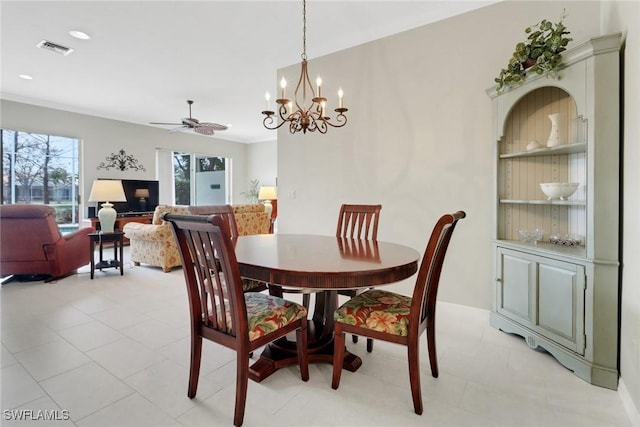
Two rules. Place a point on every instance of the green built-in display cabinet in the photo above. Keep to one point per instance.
(561, 292)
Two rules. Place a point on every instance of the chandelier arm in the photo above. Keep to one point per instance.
(317, 107)
(321, 126)
(313, 124)
(303, 82)
(282, 111)
(341, 120)
(296, 126)
(268, 120)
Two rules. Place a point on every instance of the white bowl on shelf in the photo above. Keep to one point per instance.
(559, 190)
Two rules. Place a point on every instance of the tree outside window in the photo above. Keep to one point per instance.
(41, 169)
(187, 168)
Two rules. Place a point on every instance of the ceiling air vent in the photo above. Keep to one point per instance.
(62, 50)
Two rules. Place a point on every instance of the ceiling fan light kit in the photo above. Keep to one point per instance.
(202, 128)
(304, 119)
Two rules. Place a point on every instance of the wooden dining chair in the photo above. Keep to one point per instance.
(219, 309)
(400, 319)
(358, 221)
(226, 212)
(223, 211)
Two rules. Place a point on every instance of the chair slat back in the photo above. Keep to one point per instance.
(426, 288)
(224, 211)
(358, 221)
(212, 275)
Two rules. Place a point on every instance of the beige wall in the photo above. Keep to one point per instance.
(262, 161)
(420, 141)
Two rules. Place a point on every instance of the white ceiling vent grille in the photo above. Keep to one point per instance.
(62, 50)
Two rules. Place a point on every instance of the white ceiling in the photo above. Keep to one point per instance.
(146, 58)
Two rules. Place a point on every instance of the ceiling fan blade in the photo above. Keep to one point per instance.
(215, 126)
(204, 130)
(162, 123)
(178, 129)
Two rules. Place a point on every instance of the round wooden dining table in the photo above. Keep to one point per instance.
(320, 264)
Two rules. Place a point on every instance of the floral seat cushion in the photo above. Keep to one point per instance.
(267, 313)
(251, 285)
(378, 310)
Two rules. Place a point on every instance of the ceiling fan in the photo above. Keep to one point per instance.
(203, 128)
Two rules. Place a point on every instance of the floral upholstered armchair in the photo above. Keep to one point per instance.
(154, 243)
(252, 219)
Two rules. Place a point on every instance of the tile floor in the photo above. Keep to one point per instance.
(113, 351)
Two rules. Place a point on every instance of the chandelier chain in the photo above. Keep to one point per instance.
(304, 29)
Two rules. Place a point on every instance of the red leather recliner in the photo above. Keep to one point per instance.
(31, 243)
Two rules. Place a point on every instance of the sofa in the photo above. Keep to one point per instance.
(31, 243)
(154, 243)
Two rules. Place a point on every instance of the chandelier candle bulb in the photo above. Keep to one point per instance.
(319, 82)
(340, 95)
(267, 97)
(283, 85)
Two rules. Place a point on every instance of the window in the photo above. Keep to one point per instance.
(200, 179)
(41, 169)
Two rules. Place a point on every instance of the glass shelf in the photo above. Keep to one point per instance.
(544, 202)
(579, 147)
(544, 247)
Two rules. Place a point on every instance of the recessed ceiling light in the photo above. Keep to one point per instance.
(25, 76)
(79, 34)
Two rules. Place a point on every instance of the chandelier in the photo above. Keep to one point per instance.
(312, 118)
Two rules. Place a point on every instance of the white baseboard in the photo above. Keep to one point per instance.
(629, 405)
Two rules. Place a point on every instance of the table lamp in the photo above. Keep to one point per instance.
(141, 194)
(106, 191)
(267, 194)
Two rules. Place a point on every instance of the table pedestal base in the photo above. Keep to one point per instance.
(283, 352)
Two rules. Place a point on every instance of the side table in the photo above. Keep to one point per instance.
(121, 221)
(117, 238)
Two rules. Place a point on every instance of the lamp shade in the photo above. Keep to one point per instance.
(107, 190)
(267, 193)
(141, 192)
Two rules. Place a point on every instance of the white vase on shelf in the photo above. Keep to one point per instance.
(554, 135)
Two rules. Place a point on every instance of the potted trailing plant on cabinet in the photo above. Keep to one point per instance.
(540, 53)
